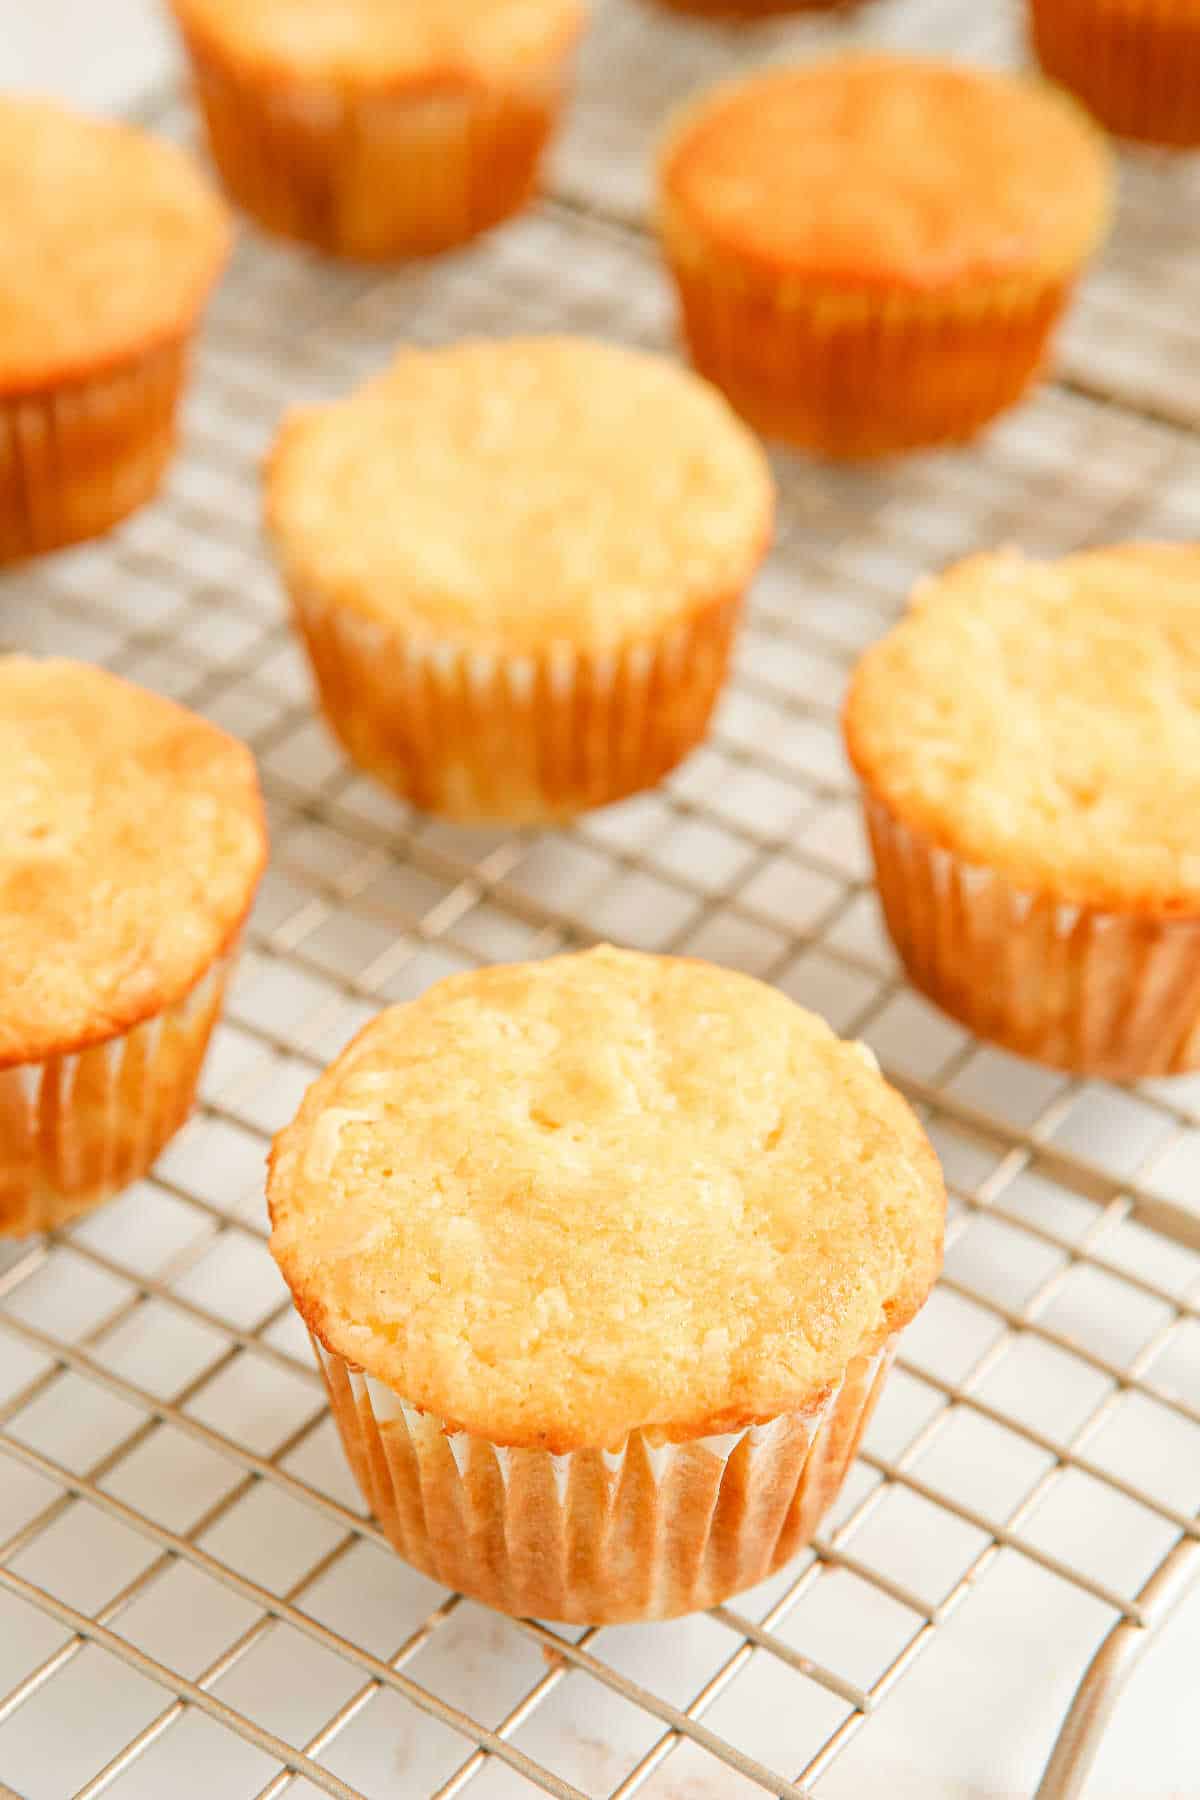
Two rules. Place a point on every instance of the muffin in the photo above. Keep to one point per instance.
(871, 251)
(1134, 63)
(131, 843)
(517, 567)
(380, 129)
(1028, 741)
(604, 1259)
(112, 241)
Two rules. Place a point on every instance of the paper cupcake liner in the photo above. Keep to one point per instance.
(858, 376)
(376, 176)
(474, 735)
(75, 459)
(1100, 993)
(597, 1536)
(75, 1129)
(1135, 64)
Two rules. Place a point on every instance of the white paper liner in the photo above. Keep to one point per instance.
(76, 458)
(646, 1531)
(846, 374)
(377, 174)
(1098, 992)
(76, 1128)
(473, 734)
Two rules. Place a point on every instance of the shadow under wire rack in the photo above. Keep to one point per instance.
(192, 1600)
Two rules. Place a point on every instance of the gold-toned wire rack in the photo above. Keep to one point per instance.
(192, 1601)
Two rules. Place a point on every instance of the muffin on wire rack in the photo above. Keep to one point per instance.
(131, 845)
(1135, 64)
(871, 252)
(380, 129)
(604, 1260)
(517, 567)
(112, 242)
(1028, 742)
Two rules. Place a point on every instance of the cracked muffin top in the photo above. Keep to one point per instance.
(1042, 720)
(552, 1203)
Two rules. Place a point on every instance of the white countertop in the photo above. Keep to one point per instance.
(98, 53)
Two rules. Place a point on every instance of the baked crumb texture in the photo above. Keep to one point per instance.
(131, 843)
(609, 1249)
(518, 568)
(1135, 64)
(112, 242)
(871, 251)
(378, 131)
(1028, 742)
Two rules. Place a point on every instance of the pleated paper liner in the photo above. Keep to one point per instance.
(377, 176)
(862, 376)
(647, 1531)
(1135, 64)
(75, 1129)
(1112, 994)
(77, 458)
(478, 735)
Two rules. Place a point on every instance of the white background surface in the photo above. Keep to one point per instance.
(102, 53)
(97, 52)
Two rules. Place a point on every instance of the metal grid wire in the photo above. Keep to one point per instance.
(191, 1598)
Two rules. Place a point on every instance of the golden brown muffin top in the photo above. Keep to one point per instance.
(112, 240)
(1042, 719)
(887, 171)
(516, 494)
(556, 1202)
(383, 43)
(131, 843)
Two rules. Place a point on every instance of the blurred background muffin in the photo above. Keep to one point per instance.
(112, 242)
(871, 251)
(1135, 64)
(379, 129)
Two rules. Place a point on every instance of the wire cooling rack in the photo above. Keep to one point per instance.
(191, 1600)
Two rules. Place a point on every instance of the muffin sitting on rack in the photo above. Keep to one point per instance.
(1134, 63)
(871, 251)
(380, 128)
(111, 243)
(1028, 741)
(518, 567)
(131, 844)
(604, 1259)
